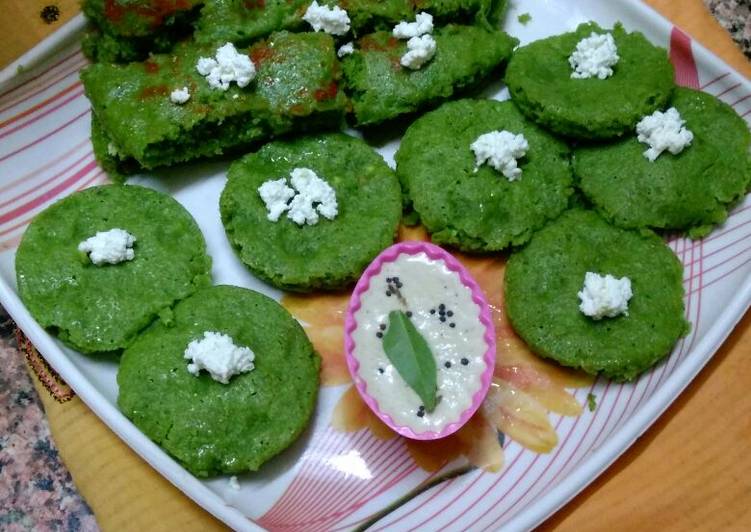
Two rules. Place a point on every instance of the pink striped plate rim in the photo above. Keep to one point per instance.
(334, 480)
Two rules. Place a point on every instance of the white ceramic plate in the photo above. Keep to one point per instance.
(334, 480)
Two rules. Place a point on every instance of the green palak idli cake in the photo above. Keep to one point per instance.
(164, 110)
(128, 30)
(242, 21)
(83, 278)
(171, 381)
(689, 190)
(599, 98)
(475, 207)
(596, 297)
(311, 212)
(382, 88)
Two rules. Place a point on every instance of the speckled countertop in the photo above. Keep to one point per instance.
(735, 16)
(36, 490)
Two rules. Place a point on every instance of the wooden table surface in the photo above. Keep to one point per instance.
(692, 468)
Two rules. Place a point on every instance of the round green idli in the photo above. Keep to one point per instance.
(481, 210)
(210, 427)
(332, 253)
(539, 80)
(102, 308)
(691, 190)
(543, 281)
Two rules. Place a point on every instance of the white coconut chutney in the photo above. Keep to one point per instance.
(441, 308)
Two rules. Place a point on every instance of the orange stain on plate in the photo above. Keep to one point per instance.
(525, 389)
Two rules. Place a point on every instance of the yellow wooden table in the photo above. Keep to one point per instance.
(691, 470)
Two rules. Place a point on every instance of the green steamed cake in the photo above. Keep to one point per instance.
(102, 308)
(539, 80)
(381, 89)
(544, 278)
(689, 191)
(210, 427)
(296, 87)
(128, 30)
(242, 21)
(332, 253)
(483, 210)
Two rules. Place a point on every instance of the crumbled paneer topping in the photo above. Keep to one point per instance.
(276, 196)
(594, 56)
(180, 96)
(233, 483)
(604, 296)
(218, 354)
(663, 131)
(309, 197)
(501, 150)
(109, 247)
(346, 49)
(420, 50)
(324, 18)
(314, 196)
(229, 65)
(406, 30)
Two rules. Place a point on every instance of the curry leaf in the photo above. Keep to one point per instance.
(411, 356)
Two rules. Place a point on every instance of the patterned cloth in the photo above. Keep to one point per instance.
(36, 490)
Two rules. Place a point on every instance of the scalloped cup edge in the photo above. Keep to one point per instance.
(434, 252)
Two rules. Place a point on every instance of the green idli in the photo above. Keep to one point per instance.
(691, 190)
(482, 210)
(543, 281)
(539, 79)
(102, 308)
(210, 427)
(332, 253)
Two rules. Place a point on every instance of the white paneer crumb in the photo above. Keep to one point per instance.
(276, 195)
(112, 149)
(406, 30)
(501, 150)
(180, 96)
(663, 131)
(314, 196)
(420, 50)
(604, 296)
(310, 197)
(594, 57)
(227, 66)
(234, 484)
(345, 49)
(109, 247)
(219, 356)
(324, 18)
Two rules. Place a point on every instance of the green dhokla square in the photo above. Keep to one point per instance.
(210, 427)
(544, 278)
(482, 210)
(539, 79)
(691, 190)
(242, 21)
(382, 89)
(102, 308)
(332, 253)
(128, 30)
(296, 87)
